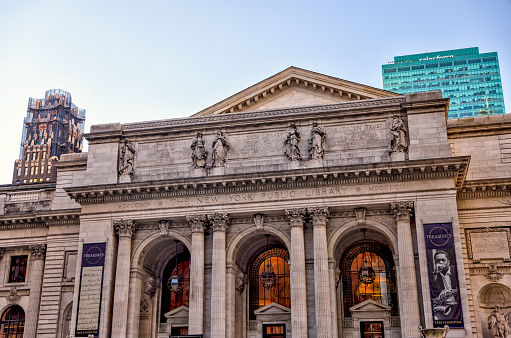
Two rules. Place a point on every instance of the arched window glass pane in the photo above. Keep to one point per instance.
(12, 324)
(177, 266)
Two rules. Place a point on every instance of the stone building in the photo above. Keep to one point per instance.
(303, 206)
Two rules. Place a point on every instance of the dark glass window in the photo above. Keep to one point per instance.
(490, 59)
(382, 288)
(402, 69)
(18, 269)
(274, 259)
(417, 67)
(12, 324)
(445, 64)
(432, 65)
(462, 62)
(389, 70)
(179, 266)
(474, 61)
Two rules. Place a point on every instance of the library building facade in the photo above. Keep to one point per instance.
(302, 206)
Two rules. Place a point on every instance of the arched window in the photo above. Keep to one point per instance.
(272, 290)
(13, 322)
(368, 273)
(177, 266)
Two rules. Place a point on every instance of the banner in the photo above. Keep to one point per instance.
(91, 284)
(443, 275)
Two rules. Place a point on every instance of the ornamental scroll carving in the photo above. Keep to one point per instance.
(398, 132)
(124, 228)
(319, 215)
(37, 250)
(127, 159)
(292, 149)
(493, 274)
(402, 210)
(219, 221)
(13, 297)
(296, 216)
(199, 153)
(316, 142)
(197, 222)
(220, 149)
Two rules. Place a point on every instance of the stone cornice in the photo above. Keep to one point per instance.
(39, 219)
(485, 188)
(479, 126)
(442, 168)
(246, 117)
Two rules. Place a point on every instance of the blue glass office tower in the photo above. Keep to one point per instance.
(471, 80)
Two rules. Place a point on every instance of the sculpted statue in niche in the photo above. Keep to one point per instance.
(398, 133)
(241, 281)
(199, 152)
(220, 149)
(316, 142)
(498, 323)
(127, 159)
(292, 150)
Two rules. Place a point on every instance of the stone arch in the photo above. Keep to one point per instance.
(234, 244)
(152, 239)
(65, 320)
(339, 234)
(491, 295)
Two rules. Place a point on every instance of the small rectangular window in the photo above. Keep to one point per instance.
(490, 59)
(417, 67)
(474, 61)
(26, 171)
(390, 70)
(36, 170)
(432, 65)
(462, 62)
(402, 69)
(18, 269)
(33, 156)
(28, 157)
(32, 171)
(445, 64)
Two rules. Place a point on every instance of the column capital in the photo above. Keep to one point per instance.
(37, 250)
(296, 216)
(197, 222)
(402, 210)
(219, 220)
(125, 228)
(319, 215)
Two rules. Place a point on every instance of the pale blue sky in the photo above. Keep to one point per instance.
(126, 61)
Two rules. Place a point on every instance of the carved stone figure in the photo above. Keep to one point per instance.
(259, 221)
(164, 227)
(126, 159)
(220, 149)
(498, 323)
(316, 142)
(292, 150)
(360, 214)
(150, 286)
(13, 297)
(241, 281)
(199, 152)
(398, 132)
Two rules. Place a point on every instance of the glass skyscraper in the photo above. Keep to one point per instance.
(471, 80)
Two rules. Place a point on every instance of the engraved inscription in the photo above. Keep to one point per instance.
(90, 296)
(163, 153)
(254, 145)
(357, 136)
(490, 245)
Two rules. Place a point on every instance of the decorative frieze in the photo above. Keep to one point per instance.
(124, 228)
(37, 251)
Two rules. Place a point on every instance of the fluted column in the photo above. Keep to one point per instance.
(321, 277)
(124, 230)
(218, 287)
(196, 304)
(298, 280)
(408, 296)
(36, 280)
(333, 297)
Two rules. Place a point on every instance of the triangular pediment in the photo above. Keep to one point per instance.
(272, 308)
(295, 87)
(370, 305)
(181, 311)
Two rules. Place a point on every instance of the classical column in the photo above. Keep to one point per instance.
(135, 295)
(218, 287)
(196, 305)
(298, 279)
(333, 296)
(124, 230)
(321, 277)
(36, 281)
(408, 296)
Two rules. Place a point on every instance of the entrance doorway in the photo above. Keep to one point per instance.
(371, 329)
(274, 331)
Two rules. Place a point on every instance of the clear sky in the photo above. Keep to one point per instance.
(126, 61)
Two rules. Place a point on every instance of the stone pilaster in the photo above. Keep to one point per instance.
(333, 296)
(408, 296)
(298, 280)
(135, 293)
(36, 280)
(321, 276)
(218, 288)
(124, 230)
(196, 308)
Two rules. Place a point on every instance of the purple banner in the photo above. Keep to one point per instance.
(443, 275)
(91, 284)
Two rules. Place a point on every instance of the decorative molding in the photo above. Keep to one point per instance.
(493, 274)
(39, 220)
(319, 215)
(197, 222)
(347, 323)
(259, 221)
(454, 168)
(164, 227)
(219, 221)
(468, 237)
(296, 216)
(485, 189)
(13, 297)
(360, 214)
